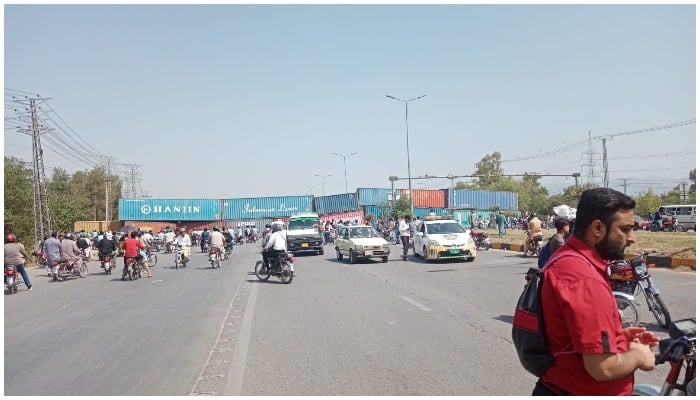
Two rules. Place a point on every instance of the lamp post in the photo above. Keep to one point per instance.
(345, 166)
(323, 182)
(408, 152)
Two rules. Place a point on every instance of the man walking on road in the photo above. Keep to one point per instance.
(405, 234)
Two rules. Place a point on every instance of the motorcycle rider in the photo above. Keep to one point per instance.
(144, 253)
(169, 238)
(206, 236)
(239, 235)
(107, 246)
(131, 250)
(15, 254)
(276, 245)
(69, 251)
(217, 241)
(534, 231)
(183, 239)
(52, 251)
(229, 238)
(84, 245)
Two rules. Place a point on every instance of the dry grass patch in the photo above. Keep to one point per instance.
(671, 244)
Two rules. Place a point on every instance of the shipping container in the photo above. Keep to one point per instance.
(337, 203)
(169, 209)
(373, 196)
(89, 226)
(428, 197)
(351, 216)
(155, 226)
(465, 216)
(421, 212)
(199, 225)
(383, 212)
(266, 207)
(258, 222)
(482, 199)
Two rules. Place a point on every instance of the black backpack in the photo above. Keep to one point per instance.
(528, 324)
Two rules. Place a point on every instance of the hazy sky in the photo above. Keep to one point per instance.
(251, 100)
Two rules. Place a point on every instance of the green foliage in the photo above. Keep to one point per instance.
(489, 170)
(77, 197)
(647, 203)
(691, 176)
(19, 200)
(369, 217)
(402, 207)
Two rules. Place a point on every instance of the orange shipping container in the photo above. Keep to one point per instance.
(154, 226)
(428, 197)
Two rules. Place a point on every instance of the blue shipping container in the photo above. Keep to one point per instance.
(169, 210)
(383, 212)
(373, 196)
(337, 203)
(482, 199)
(266, 207)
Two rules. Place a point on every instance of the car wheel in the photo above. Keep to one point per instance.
(353, 257)
(385, 259)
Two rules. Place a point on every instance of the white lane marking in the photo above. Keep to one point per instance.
(415, 303)
(234, 384)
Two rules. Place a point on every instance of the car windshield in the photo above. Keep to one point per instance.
(363, 232)
(450, 227)
(303, 223)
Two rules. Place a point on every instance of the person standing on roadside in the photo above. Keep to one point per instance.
(596, 356)
(405, 234)
(500, 221)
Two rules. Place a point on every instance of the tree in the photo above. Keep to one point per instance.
(19, 195)
(489, 170)
(691, 176)
(402, 207)
(647, 203)
(62, 202)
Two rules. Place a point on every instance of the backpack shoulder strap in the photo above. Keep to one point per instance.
(559, 256)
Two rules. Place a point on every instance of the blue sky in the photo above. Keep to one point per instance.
(251, 100)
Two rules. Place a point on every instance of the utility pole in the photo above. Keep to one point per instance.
(624, 182)
(684, 196)
(42, 216)
(605, 163)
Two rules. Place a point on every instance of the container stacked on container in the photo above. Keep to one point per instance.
(435, 198)
(466, 199)
(266, 207)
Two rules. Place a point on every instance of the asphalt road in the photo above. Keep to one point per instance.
(400, 328)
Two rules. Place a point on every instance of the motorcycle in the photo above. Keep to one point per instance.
(132, 269)
(239, 240)
(151, 258)
(280, 266)
(156, 245)
(481, 239)
(40, 258)
(12, 279)
(669, 224)
(252, 238)
(215, 258)
(180, 259)
(108, 264)
(66, 269)
(628, 278)
(205, 246)
(535, 245)
(679, 351)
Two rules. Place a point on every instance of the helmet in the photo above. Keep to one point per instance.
(10, 238)
(109, 235)
(69, 236)
(533, 215)
(216, 228)
(276, 228)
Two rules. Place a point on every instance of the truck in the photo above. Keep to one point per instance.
(305, 233)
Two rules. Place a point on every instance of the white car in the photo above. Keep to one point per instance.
(361, 242)
(441, 237)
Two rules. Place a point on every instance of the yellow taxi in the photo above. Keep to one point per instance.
(441, 237)
(361, 241)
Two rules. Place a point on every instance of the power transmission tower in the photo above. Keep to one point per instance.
(605, 164)
(131, 179)
(42, 216)
(590, 164)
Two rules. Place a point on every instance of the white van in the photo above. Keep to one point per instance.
(684, 213)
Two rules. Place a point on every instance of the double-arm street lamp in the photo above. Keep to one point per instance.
(345, 166)
(323, 182)
(408, 152)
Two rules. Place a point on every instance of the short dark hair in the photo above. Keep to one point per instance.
(599, 204)
(560, 223)
(133, 234)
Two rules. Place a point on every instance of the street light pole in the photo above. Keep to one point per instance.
(345, 166)
(408, 151)
(323, 182)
